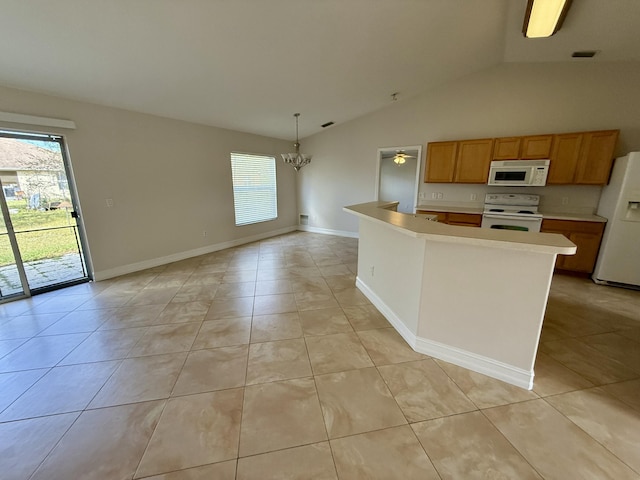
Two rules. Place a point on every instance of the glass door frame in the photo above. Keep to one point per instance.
(77, 214)
(17, 257)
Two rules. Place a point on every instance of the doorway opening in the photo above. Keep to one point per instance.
(42, 245)
(398, 177)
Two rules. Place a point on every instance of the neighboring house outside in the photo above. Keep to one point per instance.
(32, 173)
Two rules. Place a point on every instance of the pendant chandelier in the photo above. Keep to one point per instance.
(297, 159)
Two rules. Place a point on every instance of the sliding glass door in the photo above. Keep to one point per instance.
(41, 237)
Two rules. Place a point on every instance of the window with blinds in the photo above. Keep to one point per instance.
(254, 188)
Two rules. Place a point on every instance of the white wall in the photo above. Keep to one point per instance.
(169, 180)
(510, 99)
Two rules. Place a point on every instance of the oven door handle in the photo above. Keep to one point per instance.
(505, 217)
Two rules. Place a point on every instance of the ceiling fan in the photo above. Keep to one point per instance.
(400, 157)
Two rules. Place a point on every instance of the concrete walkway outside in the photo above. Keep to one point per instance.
(42, 273)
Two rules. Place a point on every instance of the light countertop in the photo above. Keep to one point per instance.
(418, 226)
(547, 215)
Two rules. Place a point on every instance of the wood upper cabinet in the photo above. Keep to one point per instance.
(586, 235)
(536, 147)
(507, 148)
(466, 161)
(473, 161)
(441, 162)
(596, 157)
(564, 158)
(582, 158)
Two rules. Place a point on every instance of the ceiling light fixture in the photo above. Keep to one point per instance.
(297, 159)
(400, 158)
(544, 17)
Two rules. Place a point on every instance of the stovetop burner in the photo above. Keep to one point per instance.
(512, 204)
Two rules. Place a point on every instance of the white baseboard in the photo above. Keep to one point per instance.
(469, 360)
(156, 262)
(327, 231)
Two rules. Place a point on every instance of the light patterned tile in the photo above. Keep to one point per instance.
(468, 446)
(336, 353)
(217, 471)
(357, 401)
(280, 360)
(485, 391)
(140, 379)
(25, 444)
(299, 424)
(213, 369)
(391, 453)
(552, 378)
(365, 317)
(385, 346)
(278, 326)
(554, 445)
(324, 321)
(606, 419)
(61, 390)
(223, 333)
(423, 391)
(103, 443)
(298, 463)
(194, 430)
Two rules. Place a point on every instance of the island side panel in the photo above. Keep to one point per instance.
(395, 284)
(486, 301)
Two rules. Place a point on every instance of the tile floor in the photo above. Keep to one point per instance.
(264, 361)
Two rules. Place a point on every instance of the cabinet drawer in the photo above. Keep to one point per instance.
(464, 219)
(572, 226)
(442, 216)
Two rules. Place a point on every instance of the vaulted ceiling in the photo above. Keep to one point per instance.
(248, 65)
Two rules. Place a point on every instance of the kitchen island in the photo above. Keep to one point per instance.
(474, 297)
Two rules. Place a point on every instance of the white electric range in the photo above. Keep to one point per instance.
(512, 211)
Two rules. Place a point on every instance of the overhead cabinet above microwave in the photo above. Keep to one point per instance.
(583, 158)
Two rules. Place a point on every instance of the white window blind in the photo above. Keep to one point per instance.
(254, 188)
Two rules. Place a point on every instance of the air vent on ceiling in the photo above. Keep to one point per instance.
(584, 54)
(325, 125)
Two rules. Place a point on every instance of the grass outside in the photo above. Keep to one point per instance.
(41, 243)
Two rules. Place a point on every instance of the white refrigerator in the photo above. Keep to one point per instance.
(619, 258)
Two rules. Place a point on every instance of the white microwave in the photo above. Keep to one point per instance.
(519, 173)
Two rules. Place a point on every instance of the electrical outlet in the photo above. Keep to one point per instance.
(434, 195)
(440, 196)
(372, 269)
(422, 195)
(474, 196)
(109, 202)
(204, 233)
(565, 200)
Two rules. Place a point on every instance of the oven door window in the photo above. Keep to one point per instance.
(504, 222)
(510, 227)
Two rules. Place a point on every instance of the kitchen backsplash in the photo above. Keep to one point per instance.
(578, 199)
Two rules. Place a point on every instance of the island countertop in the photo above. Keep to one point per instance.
(417, 226)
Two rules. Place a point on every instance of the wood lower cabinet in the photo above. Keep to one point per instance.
(464, 219)
(452, 218)
(586, 235)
